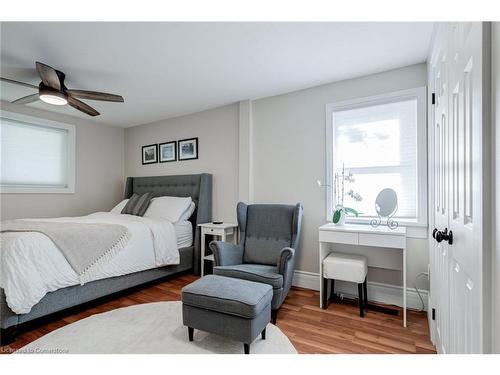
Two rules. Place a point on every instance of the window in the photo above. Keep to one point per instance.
(37, 156)
(381, 141)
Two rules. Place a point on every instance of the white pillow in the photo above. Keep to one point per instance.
(119, 207)
(169, 208)
(187, 214)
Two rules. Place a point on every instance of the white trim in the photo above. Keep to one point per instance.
(378, 292)
(420, 94)
(34, 189)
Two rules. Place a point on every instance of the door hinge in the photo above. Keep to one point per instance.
(433, 314)
(433, 98)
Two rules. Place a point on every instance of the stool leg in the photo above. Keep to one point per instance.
(360, 297)
(325, 292)
(190, 333)
(263, 334)
(246, 348)
(365, 293)
(332, 289)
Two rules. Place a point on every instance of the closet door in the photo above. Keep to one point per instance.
(456, 248)
(439, 252)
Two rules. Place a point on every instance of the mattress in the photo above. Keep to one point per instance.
(184, 233)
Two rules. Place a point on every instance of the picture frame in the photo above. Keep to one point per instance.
(167, 151)
(150, 154)
(187, 148)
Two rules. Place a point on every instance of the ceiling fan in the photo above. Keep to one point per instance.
(53, 91)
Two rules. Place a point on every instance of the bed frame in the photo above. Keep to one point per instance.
(198, 187)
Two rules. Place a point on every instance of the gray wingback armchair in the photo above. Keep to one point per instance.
(266, 253)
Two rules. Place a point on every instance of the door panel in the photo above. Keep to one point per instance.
(439, 251)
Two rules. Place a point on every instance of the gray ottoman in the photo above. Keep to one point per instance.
(233, 308)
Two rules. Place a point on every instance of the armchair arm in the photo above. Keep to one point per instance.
(226, 253)
(286, 255)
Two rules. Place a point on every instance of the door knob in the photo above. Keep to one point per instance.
(444, 235)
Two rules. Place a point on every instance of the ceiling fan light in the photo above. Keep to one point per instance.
(53, 99)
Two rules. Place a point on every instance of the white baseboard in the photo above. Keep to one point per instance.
(378, 292)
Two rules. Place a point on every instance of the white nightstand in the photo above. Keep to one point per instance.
(221, 230)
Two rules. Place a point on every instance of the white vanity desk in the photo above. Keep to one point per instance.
(365, 237)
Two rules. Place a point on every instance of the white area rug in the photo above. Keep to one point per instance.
(148, 328)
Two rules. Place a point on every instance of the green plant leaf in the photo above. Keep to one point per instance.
(351, 211)
(336, 216)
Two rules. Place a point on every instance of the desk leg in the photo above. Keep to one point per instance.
(202, 255)
(321, 289)
(404, 286)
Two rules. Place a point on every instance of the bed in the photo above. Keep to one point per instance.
(198, 187)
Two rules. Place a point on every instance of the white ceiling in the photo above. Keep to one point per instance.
(165, 70)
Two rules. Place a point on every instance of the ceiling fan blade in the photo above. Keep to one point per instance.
(27, 99)
(48, 75)
(18, 83)
(94, 95)
(81, 106)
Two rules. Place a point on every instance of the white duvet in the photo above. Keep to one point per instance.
(31, 265)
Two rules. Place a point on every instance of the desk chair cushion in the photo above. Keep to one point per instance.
(345, 267)
(252, 272)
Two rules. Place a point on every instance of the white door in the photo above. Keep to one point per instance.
(456, 123)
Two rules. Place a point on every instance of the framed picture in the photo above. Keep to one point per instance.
(150, 154)
(188, 149)
(168, 151)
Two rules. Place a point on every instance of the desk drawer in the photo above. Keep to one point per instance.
(214, 231)
(338, 237)
(382, 240)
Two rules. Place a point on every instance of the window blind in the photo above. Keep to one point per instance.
(33, 155)
(378, 145)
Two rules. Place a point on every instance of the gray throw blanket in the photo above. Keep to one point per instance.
(83, 245)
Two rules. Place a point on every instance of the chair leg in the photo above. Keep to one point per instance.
(360, 298)
(325, 292)
(332, 289)
(274, 316)
(246, 348)
(263, 334)
(365, 293)
(190, 333)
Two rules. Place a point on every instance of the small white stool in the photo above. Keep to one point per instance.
(345, 267)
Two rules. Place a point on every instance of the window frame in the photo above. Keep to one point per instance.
(418, 93)
(38, 189)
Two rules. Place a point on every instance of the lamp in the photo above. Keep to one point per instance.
(320, 184)
(53, 97)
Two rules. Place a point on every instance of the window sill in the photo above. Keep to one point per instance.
(35, 190)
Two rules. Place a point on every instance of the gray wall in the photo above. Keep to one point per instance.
(217, 132)
(495, 105)
(289, 156)
(99, 172)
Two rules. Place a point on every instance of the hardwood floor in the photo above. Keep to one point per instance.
(339, 329)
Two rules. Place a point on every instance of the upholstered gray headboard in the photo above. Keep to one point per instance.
(196, 186)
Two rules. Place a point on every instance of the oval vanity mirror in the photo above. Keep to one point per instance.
(386, 205)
